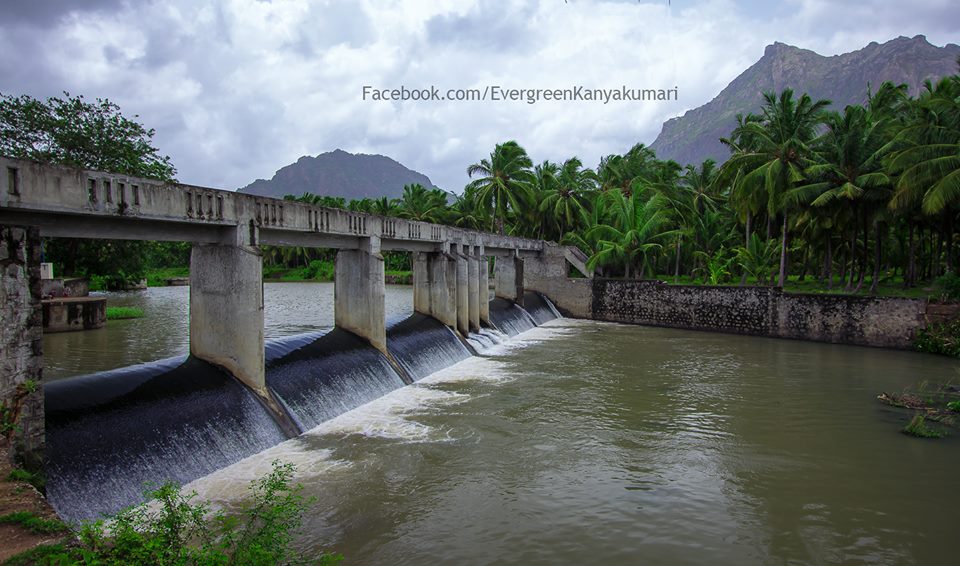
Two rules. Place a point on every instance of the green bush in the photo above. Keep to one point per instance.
(949, 285)
(174, 529)
(940, 339)
(918, 427)
(320, 270)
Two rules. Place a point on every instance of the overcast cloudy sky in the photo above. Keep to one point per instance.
(237, 89)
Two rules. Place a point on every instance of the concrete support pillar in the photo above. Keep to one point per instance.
(473, 266)
(226, 310)
(435, 286)
(484, 289)
(359, 291)
(509, 278)
(443, 288)
(421, 283)
(463, 293)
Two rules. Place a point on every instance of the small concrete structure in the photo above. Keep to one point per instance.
(69, 314)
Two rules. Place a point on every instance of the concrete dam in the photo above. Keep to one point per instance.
(102, 436)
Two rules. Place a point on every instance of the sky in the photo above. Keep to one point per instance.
(239, 88)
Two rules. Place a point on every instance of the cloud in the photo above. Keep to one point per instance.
(237, 90)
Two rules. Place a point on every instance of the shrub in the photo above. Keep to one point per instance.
(918, 427)
(940, 339)
(320, 270)
(174, 529)
(949, 285)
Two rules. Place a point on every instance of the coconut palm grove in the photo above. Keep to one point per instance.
(862, 200)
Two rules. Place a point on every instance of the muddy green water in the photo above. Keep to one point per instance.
(592, 443)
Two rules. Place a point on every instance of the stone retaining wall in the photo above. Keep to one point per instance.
(21, 346)
(888, 322)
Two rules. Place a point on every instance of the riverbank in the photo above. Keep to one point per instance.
(20, 501)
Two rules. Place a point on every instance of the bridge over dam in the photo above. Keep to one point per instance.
(451, 275)
(226, 228)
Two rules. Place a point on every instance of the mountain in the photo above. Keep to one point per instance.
(341, 174)
(844, 79)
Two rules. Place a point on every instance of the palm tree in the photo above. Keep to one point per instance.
(467, 212)
(385, 207)
(848, 169)
(780, 154)
(636, 228)
(565, 200)
(421, 204)
(929, 164)
(504, 179)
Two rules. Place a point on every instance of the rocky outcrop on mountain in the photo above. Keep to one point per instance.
(844, 79)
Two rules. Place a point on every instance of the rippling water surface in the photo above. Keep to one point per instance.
(593, 443)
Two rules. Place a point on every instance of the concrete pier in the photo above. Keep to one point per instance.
(435, 286)
(473, 283)
(509, 278)
(226, 310)
(463, 292)
(484, 284)
(359, 293)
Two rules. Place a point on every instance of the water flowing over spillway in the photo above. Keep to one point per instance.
(110, 433)
(423, 345)
(330, 376)
(510, 318)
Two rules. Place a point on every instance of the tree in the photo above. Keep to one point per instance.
(72, 131)
(91, 135)
(778, 152)
(635, 232)
(565, 200)
(504, 179)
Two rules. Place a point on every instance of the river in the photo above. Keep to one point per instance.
(596, 443)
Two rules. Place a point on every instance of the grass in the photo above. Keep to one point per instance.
(158, 277)
(918, 427)
(399, 277)
(121, 313)
(36, 480)
(33, 523)
(43, 554)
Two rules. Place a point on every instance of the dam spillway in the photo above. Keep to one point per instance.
(110, 433)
